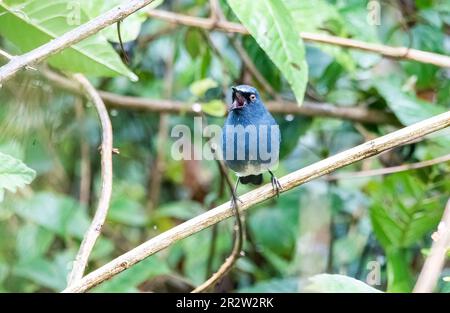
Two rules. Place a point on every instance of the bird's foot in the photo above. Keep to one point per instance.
(276, 185)
(235, 199)
(234, 196)
(114, 150)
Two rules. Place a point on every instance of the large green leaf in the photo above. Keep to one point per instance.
(32, 23)
(407, 107)
(316, 16)
(403, 210)
(334, 283)
(273, 28)
(45, 272)
(32, 241)
(13, 174)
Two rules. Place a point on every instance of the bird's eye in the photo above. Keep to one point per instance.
(252, 97)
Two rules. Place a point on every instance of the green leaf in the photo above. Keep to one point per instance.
(403, 210)
(281, 219)
(315, 16)
(4, 271)
(33, 242)
(200, 87)
(30, 24)
(399, 278)
(292, 127)
(273, 28)
(129, 280)
(214, 108)
(426, 38)
(48, 273)
(13, 174)
(193, 40)
(102, 249)
(334, 283)
(127, 211)
(408, 108)
(59, 214)
(130, 26)
(182, 210)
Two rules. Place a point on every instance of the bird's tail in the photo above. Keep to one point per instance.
(251, 179)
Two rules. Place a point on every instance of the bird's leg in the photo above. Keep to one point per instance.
(234, 196)
(275, 183)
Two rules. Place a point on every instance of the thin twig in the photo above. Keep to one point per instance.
(294, 179)
(229, 262)
(213, 245)
(119, 36)
(71, 37)
(215, 11)
(6, 55)
(95, 228)
(163, 133)
(390, 170)
(230, 27)
(237, 246)
(154, 186)
(312, 109)
(432, 267)
(212, 250)
(142, 41)
(85, 162)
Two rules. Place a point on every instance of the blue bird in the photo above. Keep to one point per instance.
(250, 138)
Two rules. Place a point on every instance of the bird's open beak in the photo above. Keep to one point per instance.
(238, 100)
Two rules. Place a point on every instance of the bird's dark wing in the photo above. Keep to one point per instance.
(251, 179)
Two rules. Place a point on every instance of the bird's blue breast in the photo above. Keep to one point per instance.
(250, 140)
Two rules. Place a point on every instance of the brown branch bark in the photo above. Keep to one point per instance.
(435, 261)
(72, 37)
(301, 176)
(387, 51)
(95, 228)
(358, 114)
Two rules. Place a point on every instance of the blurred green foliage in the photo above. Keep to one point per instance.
(337, 227)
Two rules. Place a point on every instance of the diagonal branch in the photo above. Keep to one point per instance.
(95, 228)
(71, 37)
(387, 51)
(294, 179)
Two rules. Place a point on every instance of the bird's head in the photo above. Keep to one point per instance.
(243, 95)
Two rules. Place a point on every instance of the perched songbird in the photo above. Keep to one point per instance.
(250, 138)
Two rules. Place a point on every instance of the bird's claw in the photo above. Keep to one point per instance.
(276, 185)
(235, 199)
